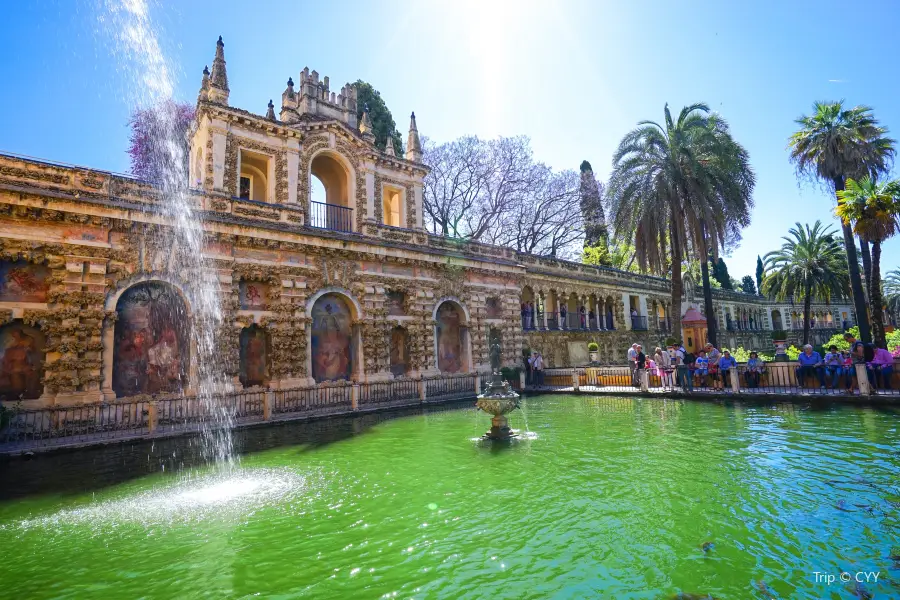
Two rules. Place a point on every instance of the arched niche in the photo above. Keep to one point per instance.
(399, 352)
(151, 343)
(22, 356)
(254, 356)
(451, 339)
(336, 210)
(335, 351)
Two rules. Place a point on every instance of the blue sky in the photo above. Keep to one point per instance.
(574, 76)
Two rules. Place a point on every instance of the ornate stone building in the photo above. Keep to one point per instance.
(313, 292)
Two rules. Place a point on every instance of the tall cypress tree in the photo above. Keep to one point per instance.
(759, 274)
(595, 230)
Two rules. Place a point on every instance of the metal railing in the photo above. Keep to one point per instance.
(638, 323)
(320, 399)
(389, 392)
(450, 386)
(331, 216)
(663, 324)
(23, 429)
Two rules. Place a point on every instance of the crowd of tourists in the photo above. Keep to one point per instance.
(712, 368)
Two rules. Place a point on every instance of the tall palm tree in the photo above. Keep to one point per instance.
(873, 209)
(833, 144)
(892, 292)
(810, 263)
(681, 188)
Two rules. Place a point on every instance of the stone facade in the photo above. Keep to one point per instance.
(96, 235)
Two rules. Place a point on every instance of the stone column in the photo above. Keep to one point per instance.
(109, 340)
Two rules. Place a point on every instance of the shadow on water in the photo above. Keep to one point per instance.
(76, 471)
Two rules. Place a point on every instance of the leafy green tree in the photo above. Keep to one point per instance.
(873, 209)
(836, 143)
(383, 124)
(810, 264)
(747, 285)
(680, 188)
(759, 273)
(618, 255)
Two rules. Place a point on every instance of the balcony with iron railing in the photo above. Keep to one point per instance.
(639, 323)
(331, 216)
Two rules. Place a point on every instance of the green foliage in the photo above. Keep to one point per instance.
(593, 347)
(671, 341)
(810, 264)
(779, 335)
(383, 124)
(618, 255)
(874, 211)
(892, 339)
(839, 341)
(834, 143)
(695, 271)
(793, 352)
(747, 285)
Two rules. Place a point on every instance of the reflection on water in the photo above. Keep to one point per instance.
(613, 498)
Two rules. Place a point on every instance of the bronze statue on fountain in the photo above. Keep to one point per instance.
(498, 399)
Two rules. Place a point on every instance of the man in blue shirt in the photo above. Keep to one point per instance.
(810, 363)
(727, 366)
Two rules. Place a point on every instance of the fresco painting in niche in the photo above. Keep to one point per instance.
(254, 295)
(151, 341)
(332, 356)
(21, 362)
(254, 356)
(22, 281)
(399, 352)
(493, 309)
(449, 320)
(395, 304)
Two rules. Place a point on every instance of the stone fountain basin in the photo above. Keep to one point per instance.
(497, 406)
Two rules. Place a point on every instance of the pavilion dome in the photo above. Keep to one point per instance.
(693, 317)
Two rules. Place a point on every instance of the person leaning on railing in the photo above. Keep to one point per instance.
(701, 368)
(755, 368)
(848, 369)
(881, 368)
(727, 366)
(834, 366)
(810, 363)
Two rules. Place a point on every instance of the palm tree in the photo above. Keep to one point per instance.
(810, 263)
(680, 188)
(892, 292)
(873, 208)
(834, 144)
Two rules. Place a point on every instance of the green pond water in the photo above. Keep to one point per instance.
(604, 498)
